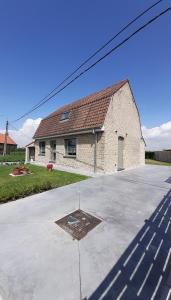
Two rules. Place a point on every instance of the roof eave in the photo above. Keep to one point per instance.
(81, 131)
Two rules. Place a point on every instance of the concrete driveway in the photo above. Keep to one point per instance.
(127, 256)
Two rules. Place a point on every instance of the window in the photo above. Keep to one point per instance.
(64, 116)
(53, 150)
(42, 148)
(70, 147)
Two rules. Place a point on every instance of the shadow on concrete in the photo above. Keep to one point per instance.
(143, 270)
(168, 180)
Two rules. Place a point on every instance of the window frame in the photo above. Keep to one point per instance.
(65, 116)
(53, 150)
(67, 152)
(42, 153)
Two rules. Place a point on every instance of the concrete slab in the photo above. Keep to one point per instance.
(39, 260)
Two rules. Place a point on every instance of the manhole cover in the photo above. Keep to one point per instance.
(78, 223)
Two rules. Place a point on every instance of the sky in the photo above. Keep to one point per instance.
(43, 41)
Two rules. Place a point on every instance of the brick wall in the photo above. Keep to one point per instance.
(84, 148)
(122, 119)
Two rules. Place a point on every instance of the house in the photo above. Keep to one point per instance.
(99, 133)
(11, 145)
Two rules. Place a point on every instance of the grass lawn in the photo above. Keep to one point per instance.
(12, 188)
(13, 156)
(156, 162)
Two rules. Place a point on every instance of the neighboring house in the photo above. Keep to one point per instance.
(100, 133)
(11, 145)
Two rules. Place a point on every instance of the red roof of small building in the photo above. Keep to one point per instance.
(10, 141)
(88, 112)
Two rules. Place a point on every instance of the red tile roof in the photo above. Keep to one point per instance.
(86, 113)
(10, 141)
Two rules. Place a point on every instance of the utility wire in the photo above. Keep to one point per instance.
(97, 61)
(100, 49)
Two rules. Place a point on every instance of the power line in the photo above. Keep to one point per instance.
(100, 49)
(97, 61)
(91, 66)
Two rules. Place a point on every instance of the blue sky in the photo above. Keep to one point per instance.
(42, 41)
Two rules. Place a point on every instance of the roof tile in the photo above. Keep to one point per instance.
(10, 141)
(88, 112)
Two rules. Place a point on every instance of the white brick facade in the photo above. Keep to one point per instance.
(122, 119)
(85, 152)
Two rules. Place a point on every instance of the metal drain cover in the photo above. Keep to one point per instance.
(78, 223)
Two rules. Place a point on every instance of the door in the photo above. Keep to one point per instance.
(120, 153)
(31, 153)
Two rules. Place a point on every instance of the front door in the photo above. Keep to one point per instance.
(120, 153)
(31, 153)
(53, 150)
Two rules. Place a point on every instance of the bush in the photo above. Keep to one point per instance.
(13, 157)
(150, 155)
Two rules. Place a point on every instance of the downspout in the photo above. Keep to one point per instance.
(95, 150)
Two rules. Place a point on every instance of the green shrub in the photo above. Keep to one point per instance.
(13, 157)
(150, 155)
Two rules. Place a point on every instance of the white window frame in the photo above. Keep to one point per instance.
(42, 149)
(65, 116)
(68, 148)
(53, 150)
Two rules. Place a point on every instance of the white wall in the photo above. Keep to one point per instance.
(122, 119)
